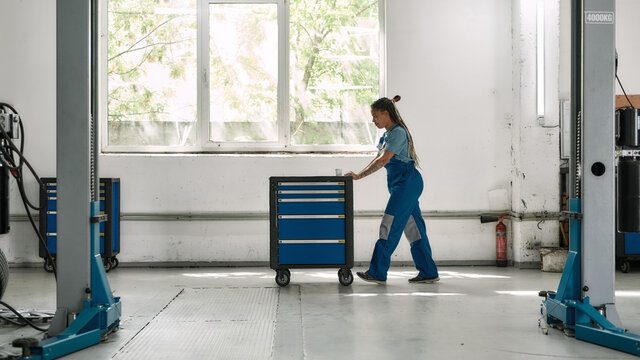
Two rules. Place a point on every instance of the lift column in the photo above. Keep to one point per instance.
(598, 190)
(584, 304)
(74, 159)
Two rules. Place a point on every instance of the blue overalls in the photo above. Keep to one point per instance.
(402, 214)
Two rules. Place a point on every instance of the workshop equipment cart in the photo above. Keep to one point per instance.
(109, 230)
(311, 221)
(627, 250)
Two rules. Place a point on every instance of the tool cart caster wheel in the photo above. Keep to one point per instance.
(625, 266)
(48, 265)
(114, 262)
(345, 277)
(107, 265)
(283, 277)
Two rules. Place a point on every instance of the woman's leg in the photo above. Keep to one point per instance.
(394, 221)
(416, 233)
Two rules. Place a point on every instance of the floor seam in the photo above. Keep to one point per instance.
(304, 355)
(149, 322)
(275, 325)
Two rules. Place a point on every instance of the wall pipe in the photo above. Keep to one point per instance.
(254, 216)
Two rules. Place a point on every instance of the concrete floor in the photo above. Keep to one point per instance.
(240, 313)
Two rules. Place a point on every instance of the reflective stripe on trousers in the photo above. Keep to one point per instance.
(403, 214)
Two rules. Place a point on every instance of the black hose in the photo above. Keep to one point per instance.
(7, 159)
(14, 322)
(624, 92)
(26, 321)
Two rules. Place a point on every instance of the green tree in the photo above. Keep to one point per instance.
(333, 68)
(243, 86)
(320, 43)
(139, 37)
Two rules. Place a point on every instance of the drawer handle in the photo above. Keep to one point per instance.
(284, 217)
(338, 241)
(324, 183)
(312, 200)
(310, 191)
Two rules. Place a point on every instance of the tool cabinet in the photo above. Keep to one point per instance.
(109, 230)
(311, 221)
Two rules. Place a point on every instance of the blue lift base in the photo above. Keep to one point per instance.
(566, 309)
(99, 317)
(589, 325)
(89, 328)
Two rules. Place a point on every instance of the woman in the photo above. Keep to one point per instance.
(398, 155)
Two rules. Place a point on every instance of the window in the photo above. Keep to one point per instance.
(250, 75)
(540, 68)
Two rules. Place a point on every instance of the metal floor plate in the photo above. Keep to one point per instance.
(209, 323)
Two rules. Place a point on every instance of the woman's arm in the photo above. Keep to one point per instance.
(373, 166)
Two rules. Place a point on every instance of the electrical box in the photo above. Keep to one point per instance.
(9, 123)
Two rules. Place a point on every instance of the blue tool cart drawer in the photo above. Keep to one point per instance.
(311, 225)
(309, 252)
(109, 230)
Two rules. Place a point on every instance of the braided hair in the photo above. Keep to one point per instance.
(388, 105)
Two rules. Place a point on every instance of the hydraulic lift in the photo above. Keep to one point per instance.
(86, 310)
(584, 304)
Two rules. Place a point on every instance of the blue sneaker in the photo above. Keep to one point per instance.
(366, 277)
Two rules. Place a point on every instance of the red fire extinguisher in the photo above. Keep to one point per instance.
(501, 243)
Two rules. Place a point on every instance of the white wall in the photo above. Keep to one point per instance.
(28, 82)
(452, 62)
(535, 142)
(628, 46)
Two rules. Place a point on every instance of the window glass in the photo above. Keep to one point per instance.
(243, 63)
(334, 62)
(158, 99)
(152, 66)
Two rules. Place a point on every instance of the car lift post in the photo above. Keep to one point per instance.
(86, 310)
(584, 304)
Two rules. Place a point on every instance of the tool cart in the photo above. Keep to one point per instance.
(311, 225)
(109, 230)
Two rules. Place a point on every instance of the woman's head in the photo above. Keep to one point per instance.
(385, 114)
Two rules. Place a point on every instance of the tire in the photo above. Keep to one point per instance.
(283, 277)
(48, 265)
(625, 266)
(114, 262)
(345, 277)
(4, 273)
(107, 265)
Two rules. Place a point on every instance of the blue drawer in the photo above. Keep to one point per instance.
(312, 229)
(632, 243)
(310, 187)
(310, 254)
(311, 208)
(51, 223)
(52, 204)
(51, 244)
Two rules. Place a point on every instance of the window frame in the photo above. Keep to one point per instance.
(203, 143)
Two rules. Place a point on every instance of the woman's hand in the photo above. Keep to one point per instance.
(354, 175)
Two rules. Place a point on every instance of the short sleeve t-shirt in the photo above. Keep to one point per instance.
(396, 140)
